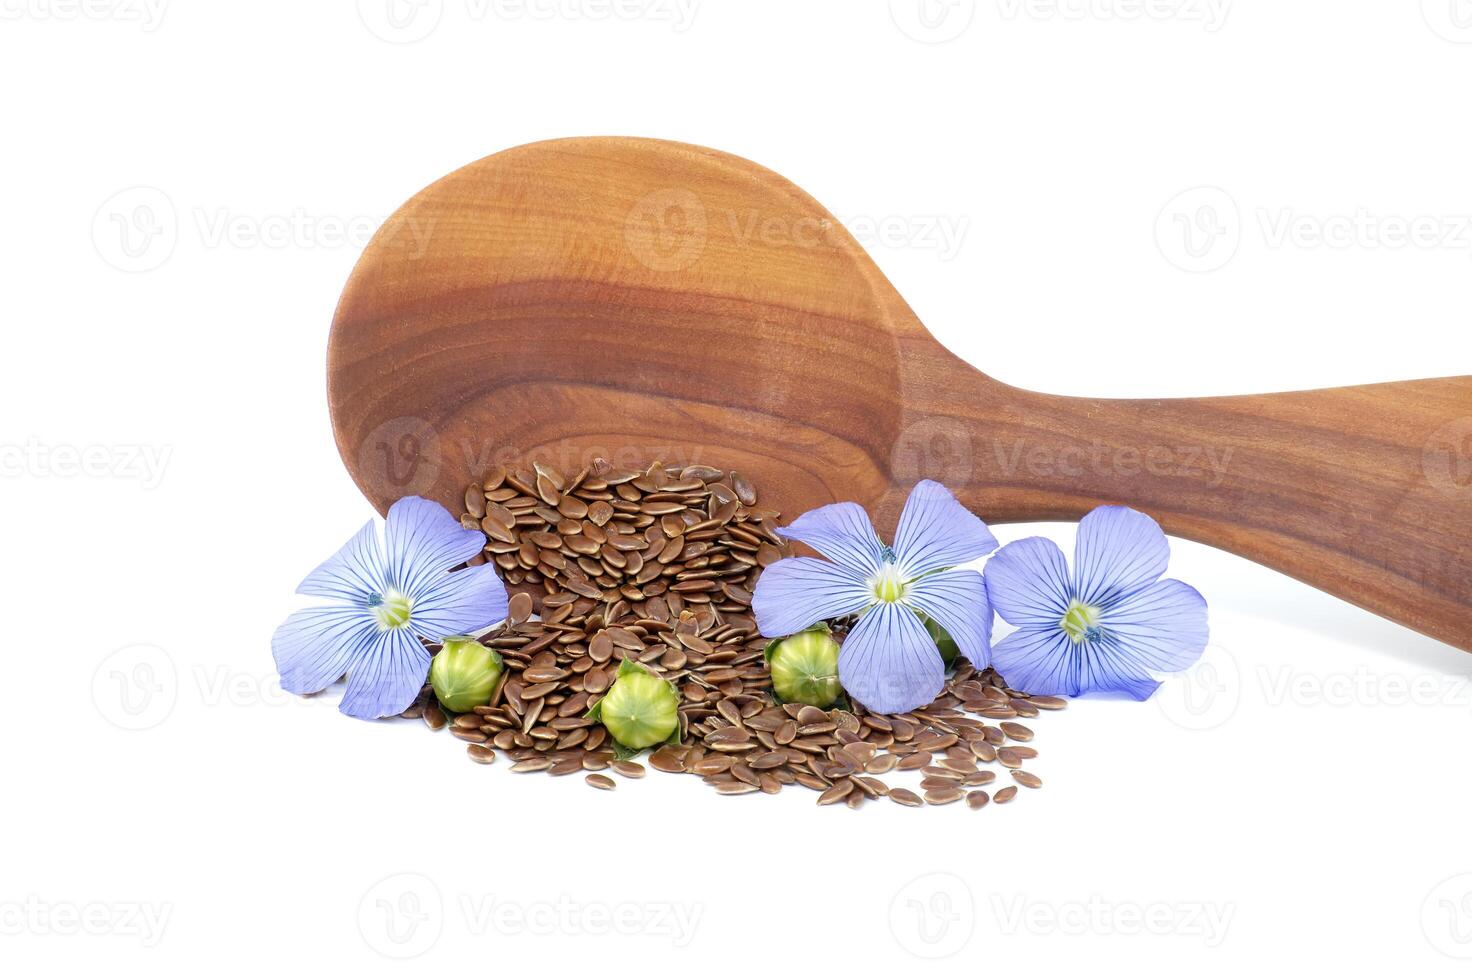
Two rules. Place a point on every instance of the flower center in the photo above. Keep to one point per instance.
(1081, 622)
(391, 609)
(888, 585)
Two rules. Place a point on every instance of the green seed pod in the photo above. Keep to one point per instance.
(464, 673)
(805, 667)
(640, 709)
(943, 642)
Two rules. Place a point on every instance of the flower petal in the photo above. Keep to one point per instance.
(460, 602)
(1160, 628)
(351, 574)
(889, 662)
(424, 542)
(1027, 582)
(1118, 551)
(317, 645)
(957, 600)
(842, 533)
(1038, 660)
(1106, 666)
(935, 531)
(388, 676)
(794, 593)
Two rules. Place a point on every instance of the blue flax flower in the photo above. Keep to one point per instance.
(1107, 626)
(387, 595)
(888, 661)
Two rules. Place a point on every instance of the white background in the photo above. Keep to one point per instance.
(1301, 799)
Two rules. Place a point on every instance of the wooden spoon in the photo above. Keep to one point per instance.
(640, 300)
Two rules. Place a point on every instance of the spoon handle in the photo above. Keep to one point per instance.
(1364, 492)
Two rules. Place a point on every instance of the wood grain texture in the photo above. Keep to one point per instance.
(637, 299)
